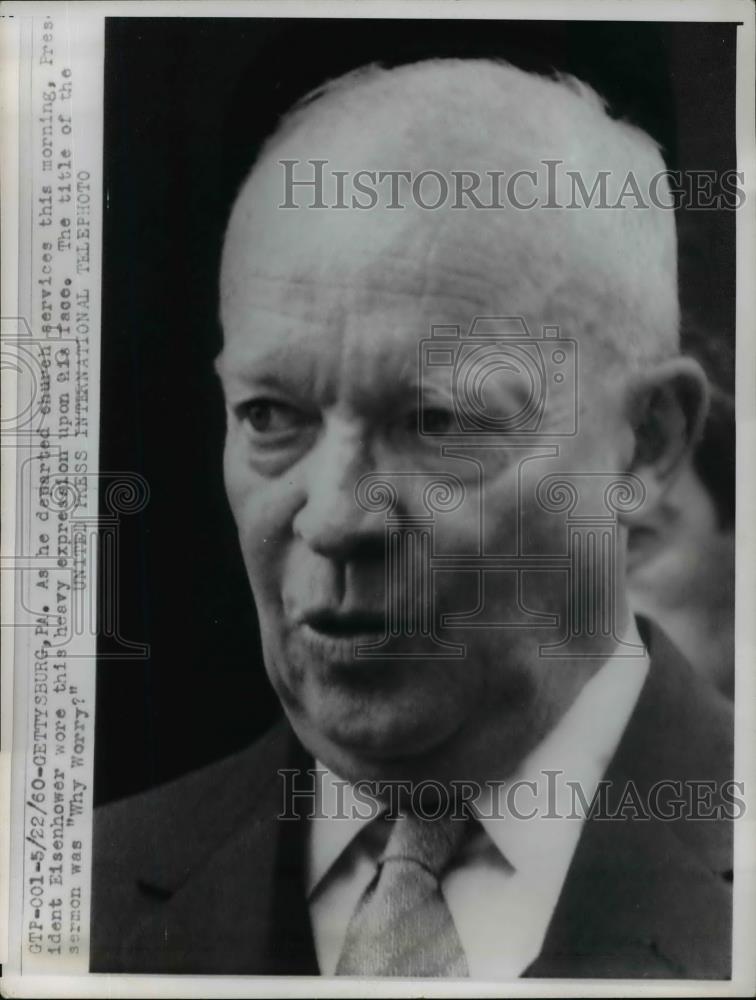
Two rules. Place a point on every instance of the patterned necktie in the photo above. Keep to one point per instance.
(402, 925)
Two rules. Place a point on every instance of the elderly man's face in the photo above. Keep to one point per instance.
(321, 369)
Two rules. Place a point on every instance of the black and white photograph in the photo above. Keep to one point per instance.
(376, 601)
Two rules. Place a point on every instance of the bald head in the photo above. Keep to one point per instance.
(608, 273)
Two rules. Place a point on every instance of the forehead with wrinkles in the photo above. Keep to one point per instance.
(611, 272)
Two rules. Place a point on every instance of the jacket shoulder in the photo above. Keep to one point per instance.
(146, 846)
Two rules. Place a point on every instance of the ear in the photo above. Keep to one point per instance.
(667, 410)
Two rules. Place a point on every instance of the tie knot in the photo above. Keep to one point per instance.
(428, 842)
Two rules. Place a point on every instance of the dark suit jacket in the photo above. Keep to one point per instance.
(199, 876)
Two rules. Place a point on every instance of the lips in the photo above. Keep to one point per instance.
(345, 625)
(334, 637)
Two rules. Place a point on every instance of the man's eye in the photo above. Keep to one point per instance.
(265, 416)
(435, 420)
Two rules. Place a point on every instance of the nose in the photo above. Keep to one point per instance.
(331, 521)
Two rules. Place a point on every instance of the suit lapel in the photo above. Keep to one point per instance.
(648, 897)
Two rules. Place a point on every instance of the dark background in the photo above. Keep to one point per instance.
(187, 102)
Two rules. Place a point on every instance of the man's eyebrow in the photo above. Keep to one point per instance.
(249, 364)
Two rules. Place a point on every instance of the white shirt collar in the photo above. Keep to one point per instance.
(578, 750)
(579, 747)
(339, 818)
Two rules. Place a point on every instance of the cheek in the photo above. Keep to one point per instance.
(263, 510)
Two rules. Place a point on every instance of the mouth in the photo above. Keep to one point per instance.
(346, 625)
(336, 636)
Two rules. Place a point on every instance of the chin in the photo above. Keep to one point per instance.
(373, 740)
